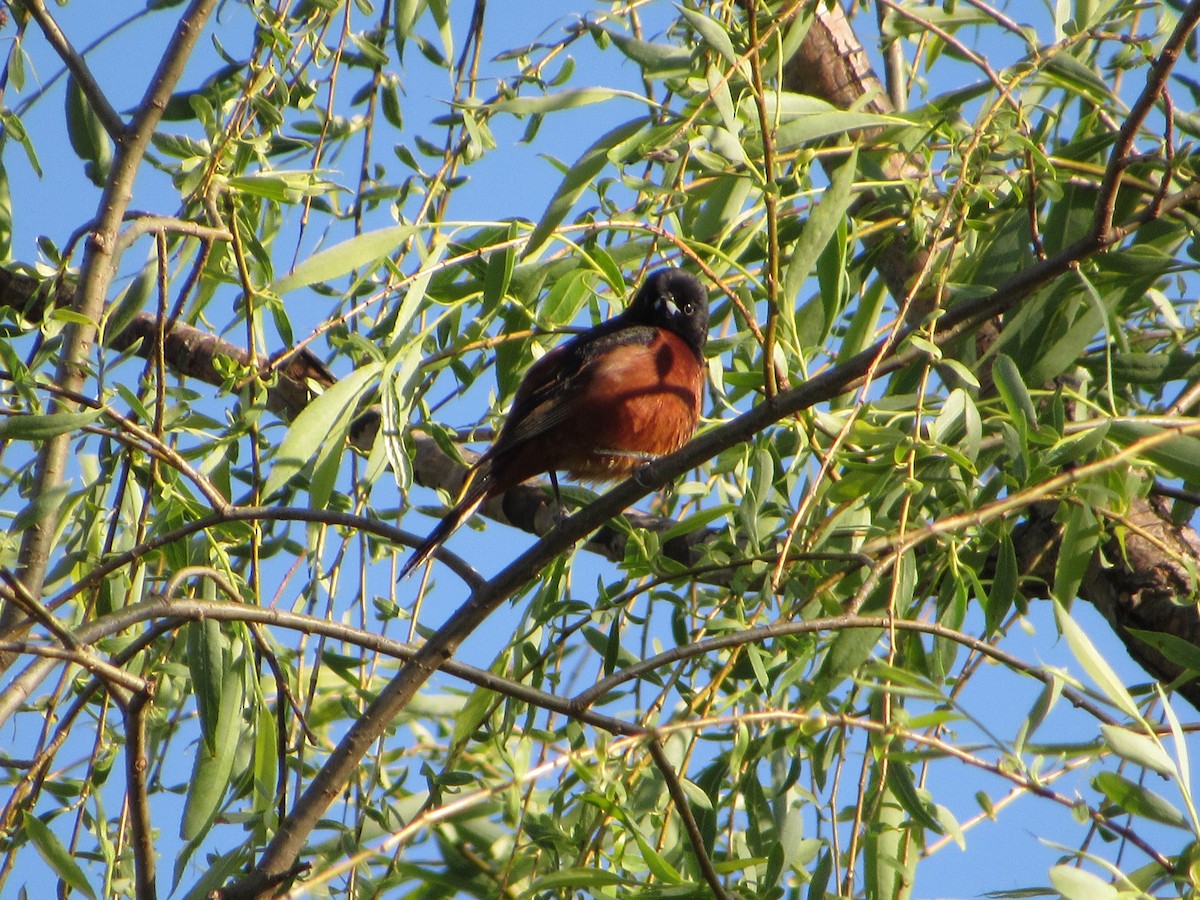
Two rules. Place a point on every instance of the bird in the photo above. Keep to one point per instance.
(599, 405)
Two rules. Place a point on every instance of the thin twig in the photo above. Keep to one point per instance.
(138, 798)
(683, 807)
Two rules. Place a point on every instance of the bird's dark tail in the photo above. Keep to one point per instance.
(474, 493)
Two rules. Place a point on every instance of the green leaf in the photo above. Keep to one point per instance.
(711, 32)
(1177, 456)
(55, 853)
(803, 119)
(440, 10)
(345, 257)
(904, 789)
(499, 272)
(862, 325)
(1013, 392)
(473, 714)
(655, 60)
(211, 773)
(848, 651)
(46, 505)
(42, 427)
(1182, 652)
(1139, 749)
(657, 864)
(14, 128)
(1004, 584)
(1047, 698)
(696, 795)
(1138, 800)
(1077, 884)
(1077, 448)
(573, 879)
(1094, 663)
(88, 138)
(1080, 540)
(820, 877)
(6, 211)
(820, 227)
(321, 426)
(207, 650)
(949, 18)
(572, 98)
(1078, 78)
(266, 760)
(1065, 340)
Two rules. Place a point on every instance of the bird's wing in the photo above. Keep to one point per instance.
(548, 393)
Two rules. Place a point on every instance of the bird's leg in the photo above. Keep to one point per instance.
(562, 513)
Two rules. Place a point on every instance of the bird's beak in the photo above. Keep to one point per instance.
(669, 305)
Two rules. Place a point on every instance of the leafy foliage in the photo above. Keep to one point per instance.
(954, 351)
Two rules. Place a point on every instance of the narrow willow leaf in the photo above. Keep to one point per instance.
(207, 648)
(320, 426)
(904, 789)
(1004, 584)
(473, 714)
(820, 877)
(1078, 884)
(211, 774)
(1138, 800)
(1076, 448)
(1094, 664)
(655, 60)
(820, 227)
(1139, 749)
(887, 867)
(950, 825)
(1013, 392)
(266, 760)
(1080, 540)
(848, 651)
(575, 879)
(1181, 749)
(345, 257)
(46, 505)
(499, 272)
(696, 794)
(712, 33)
(1177, 456)
(803, 118)
(43, 427)
(55, 853)
(568, 99)
(6, 207)
(441, 17)
(86, 134)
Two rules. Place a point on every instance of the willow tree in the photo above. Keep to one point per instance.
(952, 381)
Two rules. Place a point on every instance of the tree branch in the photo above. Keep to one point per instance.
(95, 277)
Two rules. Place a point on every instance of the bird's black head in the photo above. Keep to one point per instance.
(675, 300)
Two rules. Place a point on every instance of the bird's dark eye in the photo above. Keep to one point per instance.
(689, 308)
